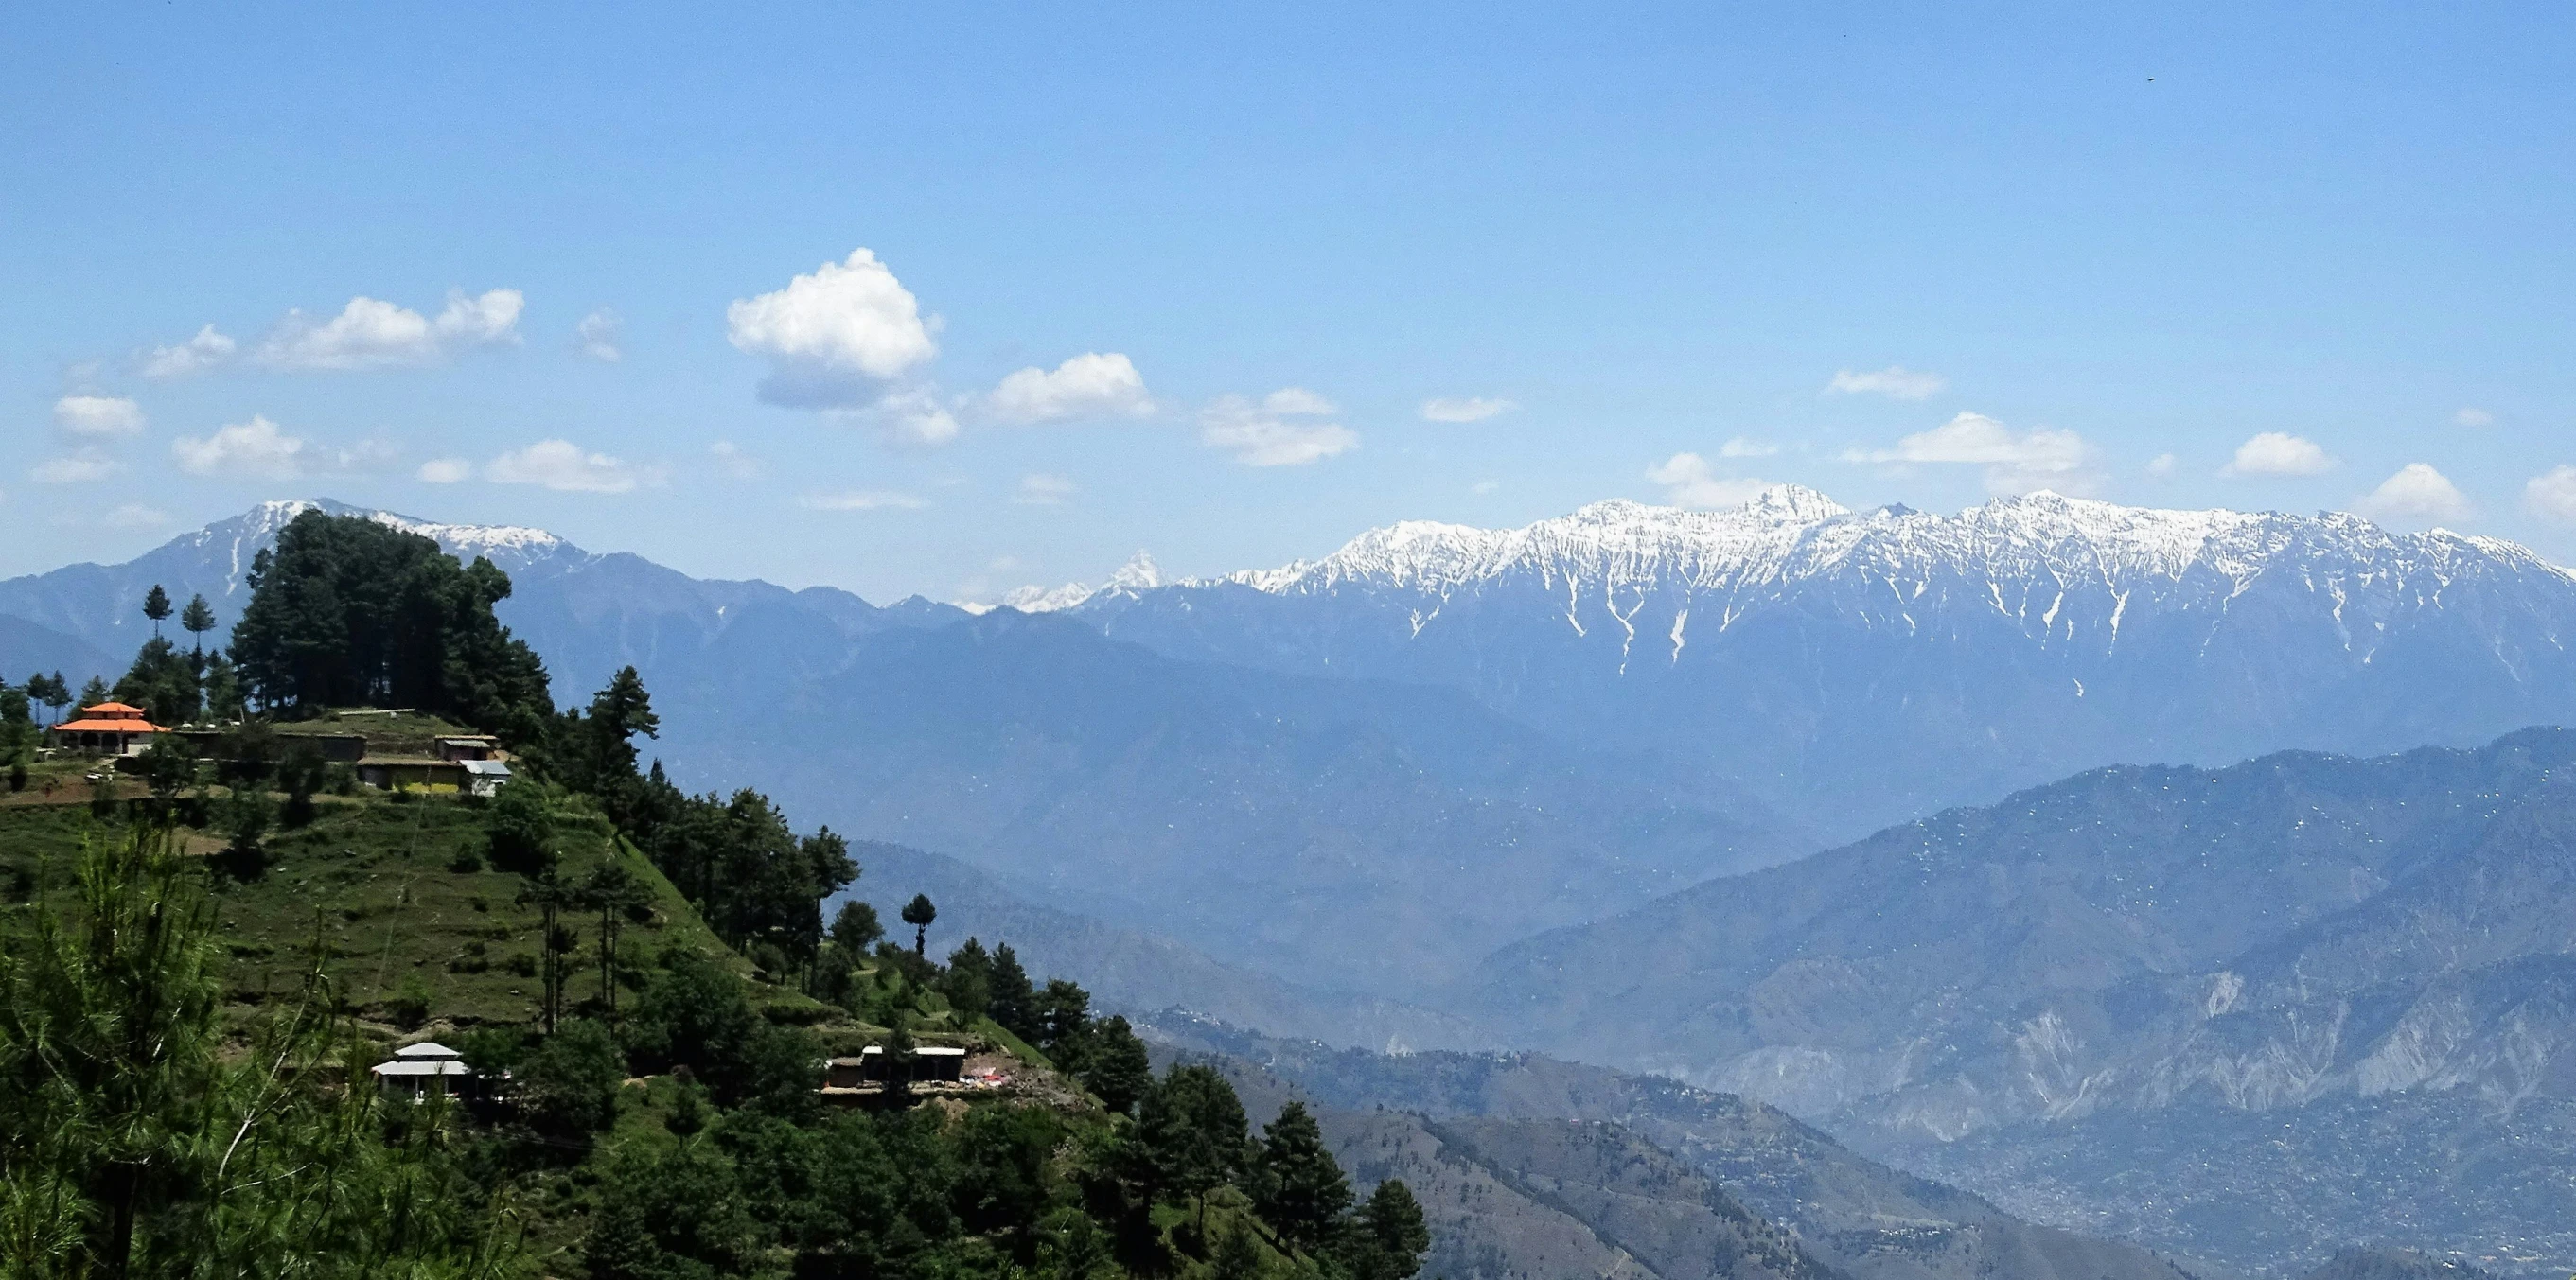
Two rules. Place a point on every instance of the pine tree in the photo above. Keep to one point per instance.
(1115, 1067)
(198, 618)
(1389, 1238)
(855, 928)
(919, 914)
(1191, 1130)
(1296, 1185)
(1012, 1001)
(93, 693)
(156, 606)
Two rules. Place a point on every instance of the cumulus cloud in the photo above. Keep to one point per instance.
(80, 466)
(912, 419)
(98, 417)
(1278, 431)
(598, 336)
(370, 333)
(1092, 385)
(2163, 466)
(1041, 490)
(445, 471)
(2551, 495)
(2278, 453)
(1744, 447)
(1894, 382)
(836, 337)
(2468, 417)
(566, 467)
(259, 450)
(2416, 493)
(2036, 459)
(135, 515)
(1464, 408)
(734, 462)
(196, 355)
(862, 500)
(1689, 481)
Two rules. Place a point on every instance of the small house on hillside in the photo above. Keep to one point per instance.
(469, 746)
(423, 1070)
(484, 777)
(110, 728)
(869, 1070)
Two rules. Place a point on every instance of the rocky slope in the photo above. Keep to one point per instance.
(2352, 975)
(1590, 1144)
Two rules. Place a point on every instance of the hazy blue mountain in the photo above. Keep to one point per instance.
(2285, 1001)
(27, 648)
(1860, 668)
(586, 613)
(1345, 835)
(1131, 971)
(1506, 1136)
(1334, 835)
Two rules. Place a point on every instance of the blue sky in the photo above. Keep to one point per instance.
(2279, 257)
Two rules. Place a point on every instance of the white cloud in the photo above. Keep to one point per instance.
(1689, 482)
(2416, 493)
(911, 419)
(1464, 408)
(1092, 385)
(734, 462)
(2278, 453)
(859, 500)
(2552, 494)
(566, 467)
(252, 450)
(2037, 459)
(598, 335)
(2468, 417)
(445, 471)
(1485, 486)
(1746, 447)
(1894, 382)
(2163, 466)
(1267, 435)
(373, 334)
(80, 466)
(196, 355)
(98, 417)
(1298, 402)
(1040, 490)
(832, 337)
(135, 515)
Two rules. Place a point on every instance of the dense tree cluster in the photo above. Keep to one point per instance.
(348, 612)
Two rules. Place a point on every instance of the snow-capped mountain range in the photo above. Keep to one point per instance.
(1894, 659)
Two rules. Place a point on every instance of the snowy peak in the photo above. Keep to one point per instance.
(2008, 551)
(511, 547)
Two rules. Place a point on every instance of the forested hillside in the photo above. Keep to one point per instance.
(203, 954)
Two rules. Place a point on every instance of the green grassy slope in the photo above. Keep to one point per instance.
(374, 882)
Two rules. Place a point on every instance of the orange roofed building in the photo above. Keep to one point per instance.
(109, 727)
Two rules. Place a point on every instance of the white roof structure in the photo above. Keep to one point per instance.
(428, 1058)
(922, 1051)
(485, 768)
(400, 1069)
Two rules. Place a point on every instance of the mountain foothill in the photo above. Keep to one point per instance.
(2186, 892)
